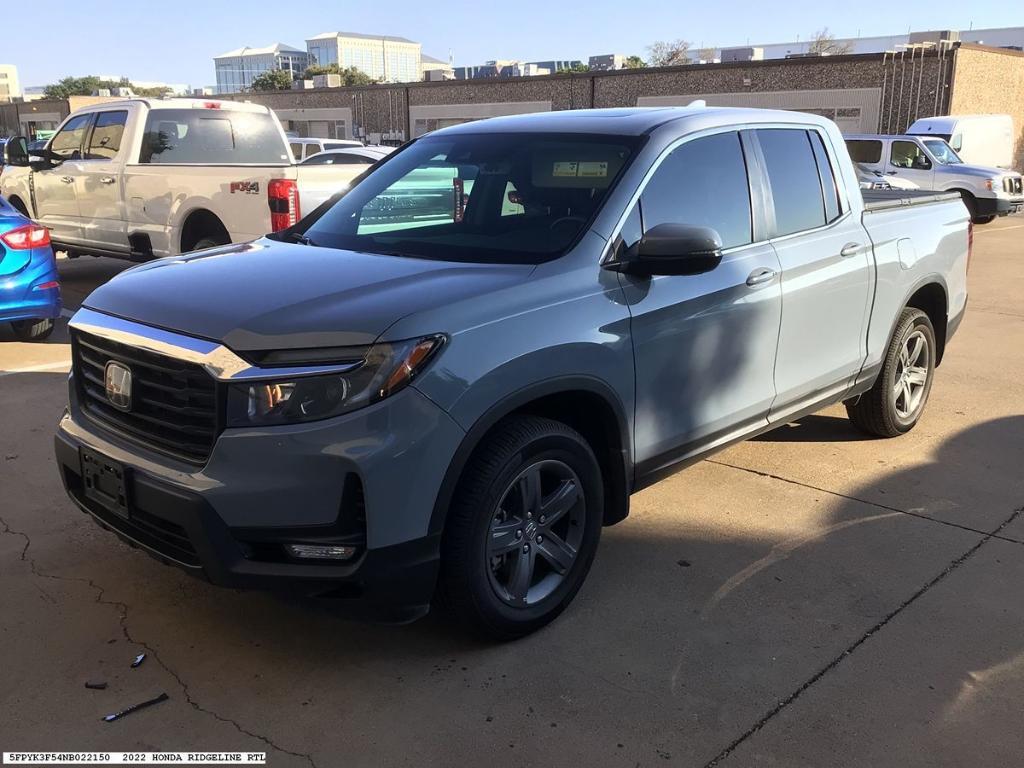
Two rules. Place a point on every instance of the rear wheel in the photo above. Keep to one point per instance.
(33, 330)
(984, 219)
(895, 403)
(523, 529)
(209, 242)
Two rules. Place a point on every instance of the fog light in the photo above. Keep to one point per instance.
(319, 552)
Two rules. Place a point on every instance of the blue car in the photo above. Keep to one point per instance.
(29, 283)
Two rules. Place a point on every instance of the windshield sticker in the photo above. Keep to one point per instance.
(564, 169)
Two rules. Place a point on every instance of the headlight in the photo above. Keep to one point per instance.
(383, 370)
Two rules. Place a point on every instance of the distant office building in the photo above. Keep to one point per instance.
(10, 88)
(997, 37)
(558, 64)
(435, 69)
(382, 57)
(514, 68)
(236, 69)
(529, 70)
(608, 61)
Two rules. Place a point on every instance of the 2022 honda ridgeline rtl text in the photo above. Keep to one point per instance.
(439, 386)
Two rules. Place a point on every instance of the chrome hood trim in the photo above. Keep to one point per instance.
(219, 361)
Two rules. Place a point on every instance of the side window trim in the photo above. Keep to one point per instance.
(610, 247)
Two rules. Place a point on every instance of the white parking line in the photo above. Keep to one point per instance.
(37, 368)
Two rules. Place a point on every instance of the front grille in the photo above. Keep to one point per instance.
(174, 403)
(1014, 185)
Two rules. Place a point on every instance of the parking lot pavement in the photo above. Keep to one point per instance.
(809, 598)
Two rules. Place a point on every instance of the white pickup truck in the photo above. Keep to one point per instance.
(145, 178)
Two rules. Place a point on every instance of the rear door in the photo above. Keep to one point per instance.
(56, 200)
(99, 184)
(827, 273)
(704, 345)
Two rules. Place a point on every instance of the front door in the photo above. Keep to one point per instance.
(100, 199)
(827, 271)
(56, 199)
(908, 161)
(704, 345)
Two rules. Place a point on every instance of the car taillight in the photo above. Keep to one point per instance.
(28, 236)
(970, 243)
(283, 196)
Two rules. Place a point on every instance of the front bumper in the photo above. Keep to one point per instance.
(999, 206)
(226, 521)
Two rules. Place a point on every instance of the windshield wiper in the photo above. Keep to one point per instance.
(302, 239)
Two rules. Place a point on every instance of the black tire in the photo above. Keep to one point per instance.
(468, 585)
(33, 330)
(971, 204)
(984, 219)
(878, 411)
(208, 242)
(19, 206)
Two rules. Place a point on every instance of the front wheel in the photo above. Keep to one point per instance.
(984, 219)
(33, 330)
(895, 403)
(523, 528)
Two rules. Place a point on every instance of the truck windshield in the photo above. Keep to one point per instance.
(942, 152)
(506, 198)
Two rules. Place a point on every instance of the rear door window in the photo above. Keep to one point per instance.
(212, 136)
(702, 183)
(793, 178)
(105, 139)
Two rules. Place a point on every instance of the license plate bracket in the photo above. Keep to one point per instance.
(104, 482)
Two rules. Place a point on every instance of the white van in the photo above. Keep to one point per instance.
(978, 139)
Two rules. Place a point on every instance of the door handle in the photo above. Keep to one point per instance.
(850, 249)
(67, 179)
(761, 275)
(106, 179)
(890, 173)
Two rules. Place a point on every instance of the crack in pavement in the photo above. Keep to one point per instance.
(122, 609)
(952, 566)
(879, 505)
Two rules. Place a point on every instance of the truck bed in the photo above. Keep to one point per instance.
(884, 199)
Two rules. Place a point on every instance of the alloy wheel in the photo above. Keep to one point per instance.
(911, 375)
(535, 533)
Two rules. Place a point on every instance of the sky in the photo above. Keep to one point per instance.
(176, 42)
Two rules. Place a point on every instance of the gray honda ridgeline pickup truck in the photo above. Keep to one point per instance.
(438, 387)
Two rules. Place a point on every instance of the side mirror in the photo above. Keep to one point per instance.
(922, 163)
(16, 151)
(673, 249)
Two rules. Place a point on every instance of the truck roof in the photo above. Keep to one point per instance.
(179, 103)
(626, 121)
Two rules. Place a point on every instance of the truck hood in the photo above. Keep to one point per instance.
(271, 295)
(980, 171)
